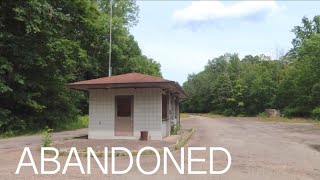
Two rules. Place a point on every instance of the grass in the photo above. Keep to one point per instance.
(265, 118)
(184, 115)
(9, 134)
(290, 120)
(210, 115)
(47, 138)
(184, 139)
(81, 122)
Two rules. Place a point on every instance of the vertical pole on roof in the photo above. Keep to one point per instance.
(110, 40)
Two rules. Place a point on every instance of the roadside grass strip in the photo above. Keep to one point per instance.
(183, 140)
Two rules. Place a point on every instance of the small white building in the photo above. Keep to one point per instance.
(122, 106)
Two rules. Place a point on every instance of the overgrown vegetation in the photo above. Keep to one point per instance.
(184, 139)
(80, 122)
(47, 138)
(184, 115)
(210, 115)
(11, 133)
(231, 86)
(316, 113)
(175, 129)
(45, 44)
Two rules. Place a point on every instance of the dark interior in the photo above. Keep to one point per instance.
(124, 106)
(164, 107)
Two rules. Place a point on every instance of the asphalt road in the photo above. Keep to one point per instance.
(259, 150)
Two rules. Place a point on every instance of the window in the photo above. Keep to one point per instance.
(164, 107)
(124, 104)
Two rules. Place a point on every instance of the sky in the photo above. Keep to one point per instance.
(183, 35)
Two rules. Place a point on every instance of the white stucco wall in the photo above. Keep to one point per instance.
(165, 128)
(147, 114)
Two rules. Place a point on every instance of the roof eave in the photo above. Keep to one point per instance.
(172, 85)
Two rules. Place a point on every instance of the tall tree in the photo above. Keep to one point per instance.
(45, 44)
(306, 31)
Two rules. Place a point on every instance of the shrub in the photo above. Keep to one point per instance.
(262, 115)
(80, 122)
(229, 112)
(316, 113)
(175, 129)
(47, 138)
(297, 111)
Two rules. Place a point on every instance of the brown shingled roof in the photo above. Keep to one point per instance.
(123, 78)
(130, 80)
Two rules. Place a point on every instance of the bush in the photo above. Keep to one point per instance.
(47, 138)
(7, 134)
(80, 122)
(262, 115)
(229, 112)
(297, 111)
(316, 113)
(175, 129)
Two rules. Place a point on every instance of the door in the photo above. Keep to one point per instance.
(124, 116)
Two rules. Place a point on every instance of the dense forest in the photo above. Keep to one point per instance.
(231, 85)
(45, 44)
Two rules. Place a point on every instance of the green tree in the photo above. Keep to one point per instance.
(301, 84)
(306, 31)
(45, 44)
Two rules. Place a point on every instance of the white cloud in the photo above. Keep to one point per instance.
(216, 11)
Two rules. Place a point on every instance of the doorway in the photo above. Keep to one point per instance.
(124, 116)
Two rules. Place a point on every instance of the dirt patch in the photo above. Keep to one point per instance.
(81, 137)
(316, 147)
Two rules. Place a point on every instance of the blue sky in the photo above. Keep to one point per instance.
(184, 35)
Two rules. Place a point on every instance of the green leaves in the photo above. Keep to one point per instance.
(308, 29)
(251, 85)
(301, 84)
(45, 44)
(316, 113)
(237, 87)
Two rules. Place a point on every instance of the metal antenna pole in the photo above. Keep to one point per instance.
(110, 40)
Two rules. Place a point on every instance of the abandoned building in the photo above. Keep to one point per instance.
(123, 106)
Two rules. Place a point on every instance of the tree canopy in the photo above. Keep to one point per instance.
(247, 86)
(45, 44)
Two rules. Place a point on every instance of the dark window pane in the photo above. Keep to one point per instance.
(164, 106)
